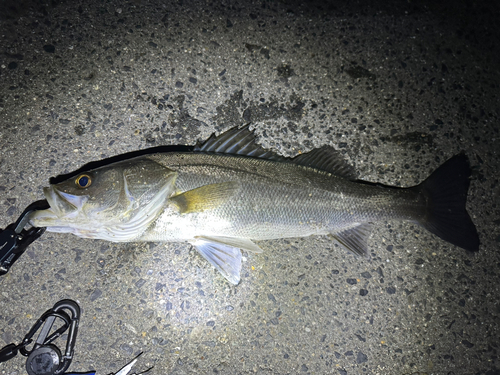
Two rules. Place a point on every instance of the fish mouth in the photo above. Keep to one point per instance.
(63, 206)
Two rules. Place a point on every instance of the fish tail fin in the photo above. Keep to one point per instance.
(446, 194)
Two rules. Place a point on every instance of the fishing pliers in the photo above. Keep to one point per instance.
(124, 370)
(128, 367)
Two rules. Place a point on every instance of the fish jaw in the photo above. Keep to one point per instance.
(43, 218)
(64, 204)
(63, 208)
(66, 214)
(52, 221)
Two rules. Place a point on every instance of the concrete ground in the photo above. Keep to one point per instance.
(397, 88)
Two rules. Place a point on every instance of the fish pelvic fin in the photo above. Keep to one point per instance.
(226, 259)
(355, 239)
(224, 253)
(446, 194)
(241, 243)
(205, 197)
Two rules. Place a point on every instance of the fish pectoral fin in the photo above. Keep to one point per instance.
(225, 258)
(205, 197)
(355, 239)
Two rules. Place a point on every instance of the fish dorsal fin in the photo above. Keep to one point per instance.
(205, 197)
(242, 142)
(237, 142)
(326, 159)
(355, 239)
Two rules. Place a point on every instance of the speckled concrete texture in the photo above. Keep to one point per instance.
(398, 88)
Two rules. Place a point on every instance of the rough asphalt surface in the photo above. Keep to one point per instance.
(397, 88)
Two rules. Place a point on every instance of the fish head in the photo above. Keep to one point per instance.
(115, 202)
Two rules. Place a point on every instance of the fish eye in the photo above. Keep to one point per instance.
(83, 181)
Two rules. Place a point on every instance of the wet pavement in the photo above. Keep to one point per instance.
(398, 89)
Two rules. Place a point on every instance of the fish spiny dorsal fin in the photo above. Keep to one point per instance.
(242, 142)
(326, 159)
(237, 142)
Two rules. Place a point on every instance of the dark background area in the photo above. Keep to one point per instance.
(398, 87)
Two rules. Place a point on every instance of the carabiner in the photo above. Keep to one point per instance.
(43, 350)
(46, 321)
(74, 308)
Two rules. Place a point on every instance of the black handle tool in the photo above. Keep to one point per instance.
(14, 239)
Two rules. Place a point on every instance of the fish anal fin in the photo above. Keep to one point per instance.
(355, 239)
(225, 258)
(205, 197)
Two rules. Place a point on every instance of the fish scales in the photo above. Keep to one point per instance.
(278, 200)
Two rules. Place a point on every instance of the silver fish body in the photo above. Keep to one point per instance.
(230, 192)
(268, 200)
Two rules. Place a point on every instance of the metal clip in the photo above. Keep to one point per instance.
(14, 239)
(45, 358)
(42, 349)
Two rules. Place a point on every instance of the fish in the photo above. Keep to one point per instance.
(227, 193)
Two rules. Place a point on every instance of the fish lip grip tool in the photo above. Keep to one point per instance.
(15, 239)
